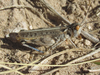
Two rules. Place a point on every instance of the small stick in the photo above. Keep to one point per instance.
(88, 71)
(97, 70)
(80, 58)
(89, 37)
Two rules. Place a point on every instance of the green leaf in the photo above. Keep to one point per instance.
(97, 62)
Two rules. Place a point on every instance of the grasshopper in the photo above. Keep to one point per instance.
(51, 37)
(44, 36)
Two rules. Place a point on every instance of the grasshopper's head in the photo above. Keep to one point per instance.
(74, 30)
(13, 37)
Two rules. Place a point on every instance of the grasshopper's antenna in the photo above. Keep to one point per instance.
(81, 24)
(23, 43)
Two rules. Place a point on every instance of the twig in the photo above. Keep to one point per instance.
(89, 37)
(98, 70)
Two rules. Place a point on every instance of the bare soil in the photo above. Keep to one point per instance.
(16, 19)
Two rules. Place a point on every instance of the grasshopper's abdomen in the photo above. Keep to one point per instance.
(34, 34)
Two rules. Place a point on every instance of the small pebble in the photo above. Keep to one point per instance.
(87, 42)
(90, 27)
(76, 41)
(7, 36)
(31, 27)
(27, 56)
(57, 73)
(80, 45)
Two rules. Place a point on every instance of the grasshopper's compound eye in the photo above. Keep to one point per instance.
(77, 27)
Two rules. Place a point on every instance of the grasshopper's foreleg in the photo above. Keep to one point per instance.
(24, 44)
(58, 42)
(71, 42)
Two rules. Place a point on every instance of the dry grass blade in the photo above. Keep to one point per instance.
(86, 14)
(5, 72)
(10, 69)
(80, 58)
(55, 55)
(76, 60)
(45, 65)
(52, 57)
(96, 44)
(95, 31)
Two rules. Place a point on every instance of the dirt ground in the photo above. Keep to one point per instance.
(16, 19)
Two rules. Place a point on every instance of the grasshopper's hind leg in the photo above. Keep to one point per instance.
(26, 45)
